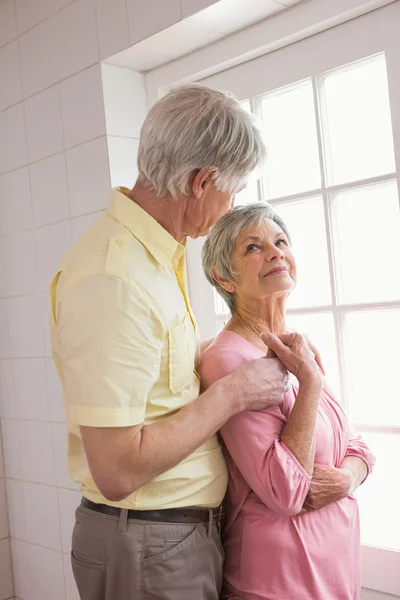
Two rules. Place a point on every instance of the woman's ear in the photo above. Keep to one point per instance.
(227, 285)
(203, 180)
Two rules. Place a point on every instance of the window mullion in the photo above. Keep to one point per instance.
(337, 317)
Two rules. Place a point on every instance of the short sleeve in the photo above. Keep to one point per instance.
(109, 344)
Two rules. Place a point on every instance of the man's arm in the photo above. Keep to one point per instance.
(123, 459)
(110, 346)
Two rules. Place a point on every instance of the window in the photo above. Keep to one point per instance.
(331, 177)
(330, 108)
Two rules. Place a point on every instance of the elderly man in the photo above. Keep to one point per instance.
(141, 440)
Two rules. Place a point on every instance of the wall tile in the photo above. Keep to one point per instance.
(8, 403)
(10, 90)
(125, 101)
(38, 58)
(60, 457)
(37, 453)
(16, 508)
(47, 578)
(5, 340)
(123, 161)
(83, 107)
(70, 585)
(4, 531)
(22, 578)
(49, 190)
(6, 579)
(88, 177)
(55, 393)
(3, 292)
(20, 263)
(52, 244)
(76, 33)
(112, 25)
(30, 382)
(80, 225)
(25, 326)
(190, 7)
(12, 128)
(68, 502)
(8, 22)
(147, 18)
(15, 202)
(44, 307)
(31, 13)
(42, 515)
(11, 434)
(43, 124)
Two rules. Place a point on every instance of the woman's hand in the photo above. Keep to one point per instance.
(294, 352)
(328, 484)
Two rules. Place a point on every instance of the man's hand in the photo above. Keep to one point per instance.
(328, 484)
(258, 384)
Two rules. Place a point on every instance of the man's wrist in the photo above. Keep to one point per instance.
(231, 395)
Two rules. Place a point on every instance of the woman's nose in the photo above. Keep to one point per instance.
(273, 253)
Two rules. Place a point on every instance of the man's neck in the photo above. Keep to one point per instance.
(168, 212)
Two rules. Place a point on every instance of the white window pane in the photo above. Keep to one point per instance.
(367, 243)
(379, 496)
(249, 195)
(371, 356)
(358, 133)
(320, 329)
(306, 225)
(290, 134)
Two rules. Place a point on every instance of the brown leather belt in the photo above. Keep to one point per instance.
(168, 515)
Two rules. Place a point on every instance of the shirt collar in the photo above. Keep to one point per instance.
(161, 245)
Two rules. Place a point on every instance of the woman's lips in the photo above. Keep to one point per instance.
(276, 271)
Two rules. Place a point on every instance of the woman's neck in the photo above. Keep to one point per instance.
(251, 321)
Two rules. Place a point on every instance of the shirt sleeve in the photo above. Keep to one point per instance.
(109, 345)
(357, 447)
(252, 439)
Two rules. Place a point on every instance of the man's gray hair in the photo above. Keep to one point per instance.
(220, 243)
(194, 127)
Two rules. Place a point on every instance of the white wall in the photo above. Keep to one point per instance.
(57, 144)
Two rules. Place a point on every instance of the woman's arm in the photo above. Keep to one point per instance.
(330, 484)
(253, 441)
(299, 432)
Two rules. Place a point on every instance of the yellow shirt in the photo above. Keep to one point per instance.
(125, 345)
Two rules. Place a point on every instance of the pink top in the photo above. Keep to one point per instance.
(271, 552)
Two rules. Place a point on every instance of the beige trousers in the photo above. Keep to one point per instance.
(118, 559)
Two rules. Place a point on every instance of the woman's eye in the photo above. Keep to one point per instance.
(281, 241)
(251, 248)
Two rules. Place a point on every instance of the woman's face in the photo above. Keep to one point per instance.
(263, 262)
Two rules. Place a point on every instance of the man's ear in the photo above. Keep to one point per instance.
(227, 285)
(203, 180)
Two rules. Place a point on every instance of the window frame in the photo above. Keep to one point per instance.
(371, 34)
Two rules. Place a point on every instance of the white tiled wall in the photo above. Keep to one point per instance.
(69, 128)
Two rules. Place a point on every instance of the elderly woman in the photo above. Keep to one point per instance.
(292, 529)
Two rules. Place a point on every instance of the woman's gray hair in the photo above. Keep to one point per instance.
(220, 243)
(195, 127)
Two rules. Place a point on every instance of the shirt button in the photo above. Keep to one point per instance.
(120, 243)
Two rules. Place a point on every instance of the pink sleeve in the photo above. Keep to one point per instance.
(253, 442)
(267, 465)
(357, 447)
(216, 362)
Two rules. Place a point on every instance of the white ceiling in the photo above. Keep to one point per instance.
(211, 24)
